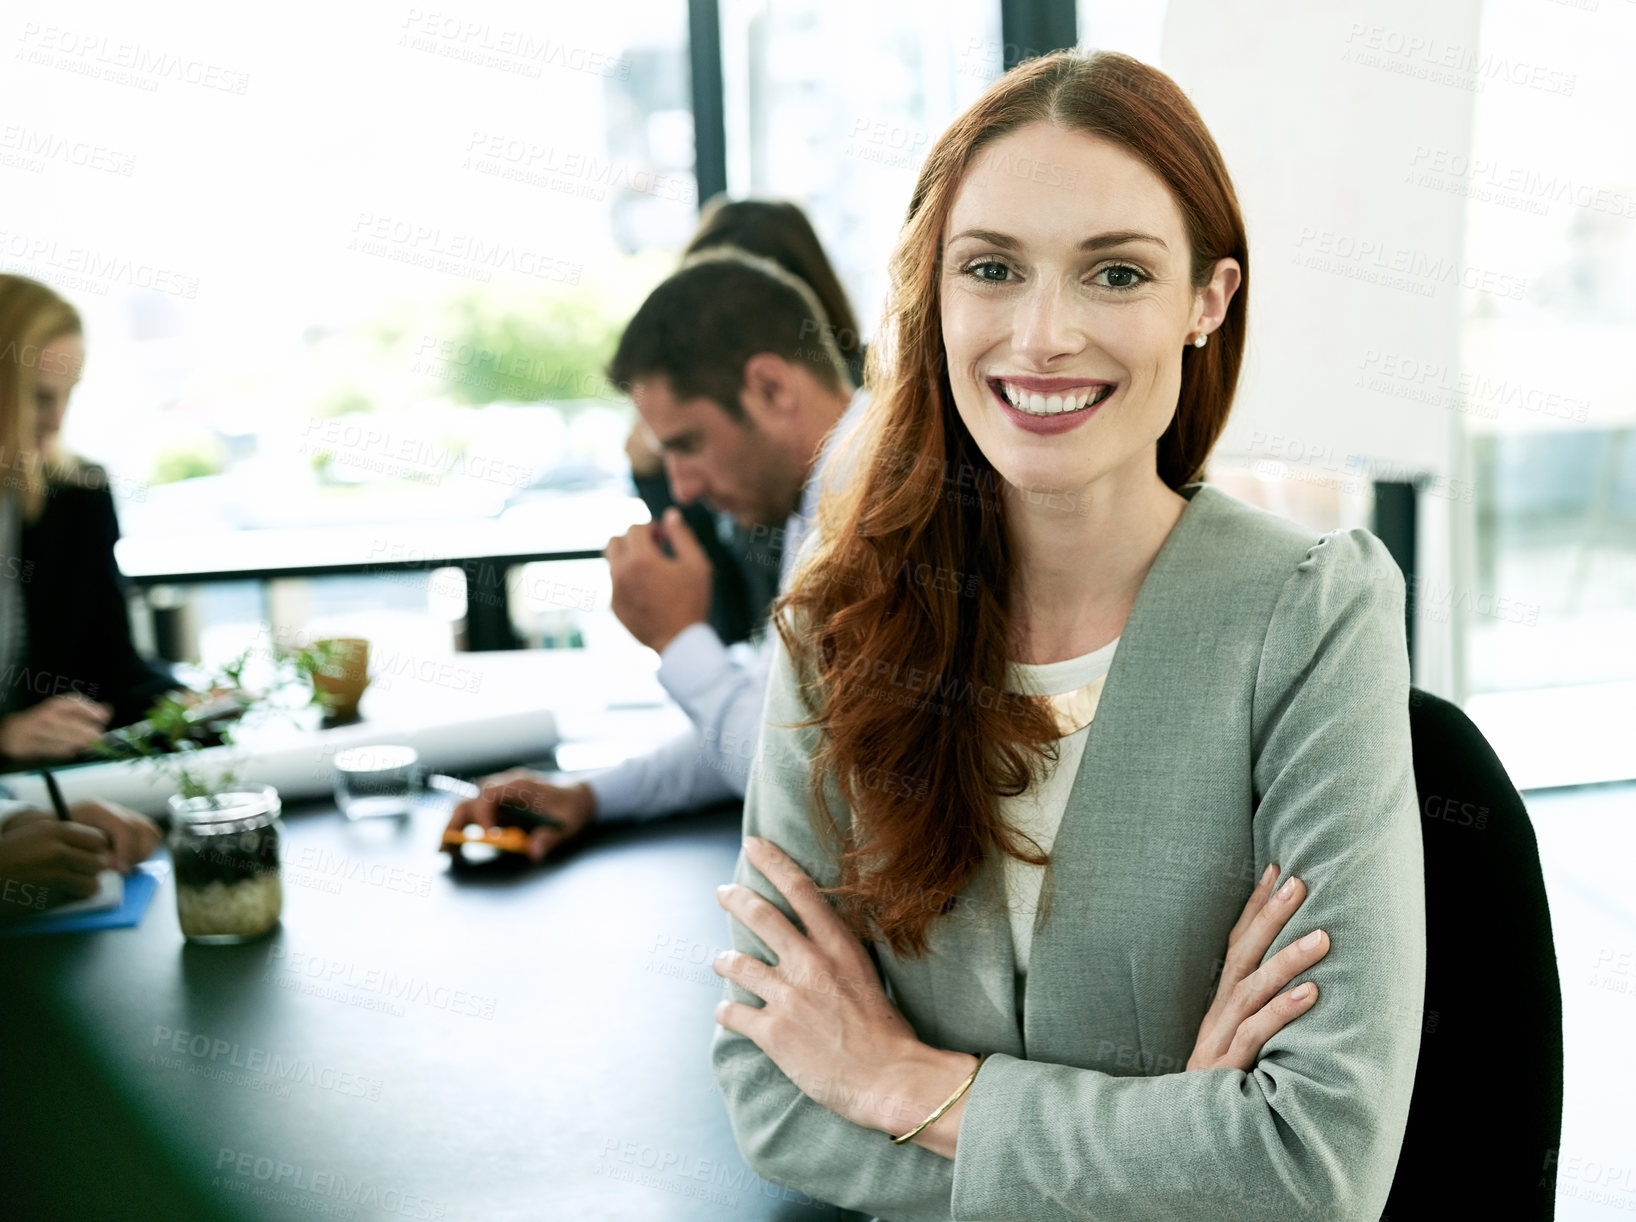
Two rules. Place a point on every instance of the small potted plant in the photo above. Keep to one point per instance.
(224, 833)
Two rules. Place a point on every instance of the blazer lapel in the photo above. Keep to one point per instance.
(963, 995)
(1060, 979)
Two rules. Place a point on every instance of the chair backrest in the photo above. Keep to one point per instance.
(1485, 1119)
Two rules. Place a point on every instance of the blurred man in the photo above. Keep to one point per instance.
(734, 371)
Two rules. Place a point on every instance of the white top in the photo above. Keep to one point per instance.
(1038, 810)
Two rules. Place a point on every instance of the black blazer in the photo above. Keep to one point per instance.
(79, 634)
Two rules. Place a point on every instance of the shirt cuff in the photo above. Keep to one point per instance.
(618, 791)
(692, 663)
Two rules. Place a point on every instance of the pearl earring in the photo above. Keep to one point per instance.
(1198, 340)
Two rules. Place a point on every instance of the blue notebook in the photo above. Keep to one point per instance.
(140, 885)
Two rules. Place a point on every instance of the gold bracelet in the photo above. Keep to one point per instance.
(947, 1103)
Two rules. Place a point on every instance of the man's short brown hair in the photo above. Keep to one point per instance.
(700, 327)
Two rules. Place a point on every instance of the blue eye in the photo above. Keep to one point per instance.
(1123, 269)
(1119, 276)
(974, 270)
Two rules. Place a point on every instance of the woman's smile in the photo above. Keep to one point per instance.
(1049, 405)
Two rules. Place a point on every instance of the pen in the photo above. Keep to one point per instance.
(57, 803)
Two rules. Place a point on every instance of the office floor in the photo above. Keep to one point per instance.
(1587, 841)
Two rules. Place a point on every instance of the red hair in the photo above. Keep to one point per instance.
(896, 621)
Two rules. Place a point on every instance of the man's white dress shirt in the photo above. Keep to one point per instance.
(722, 695)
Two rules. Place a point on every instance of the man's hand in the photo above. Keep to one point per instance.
(654, 596)
(645, 457)
(58, 728)
(1248, 1010)
(574, 805)
(47, 852)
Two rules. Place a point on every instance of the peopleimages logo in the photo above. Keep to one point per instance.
(510, 50)
(210, 1055)
(376, 983)
(453, 251)
(570, 171)
(1379, 261)
(33, 148)
(92, 269)
(123, 63)
(1431, 59)
(282, 1177)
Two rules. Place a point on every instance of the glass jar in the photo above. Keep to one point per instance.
(225, 852)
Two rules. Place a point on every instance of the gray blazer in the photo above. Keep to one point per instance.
(1256, 711)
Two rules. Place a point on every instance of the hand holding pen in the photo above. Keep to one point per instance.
(127, 837)
(47, 859)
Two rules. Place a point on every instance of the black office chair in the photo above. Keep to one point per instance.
(1485, 1119)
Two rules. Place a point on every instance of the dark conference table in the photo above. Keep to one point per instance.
(408, 1044)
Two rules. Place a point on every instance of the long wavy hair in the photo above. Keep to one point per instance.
(896, 618)
(32, 317)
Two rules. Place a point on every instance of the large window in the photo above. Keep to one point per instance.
(355, 266)
(1547, 392)
(835, 103)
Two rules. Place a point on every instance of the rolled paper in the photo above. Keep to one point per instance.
(301, 763)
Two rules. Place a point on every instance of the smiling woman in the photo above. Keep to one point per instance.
(1150, 696)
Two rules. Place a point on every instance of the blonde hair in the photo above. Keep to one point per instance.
(32, 317)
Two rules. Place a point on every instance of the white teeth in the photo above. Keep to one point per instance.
(1043, 405)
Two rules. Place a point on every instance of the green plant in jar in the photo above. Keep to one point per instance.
(178, 727)
(225, 835)
(225, 851)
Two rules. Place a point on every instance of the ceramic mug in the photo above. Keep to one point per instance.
(341, 681)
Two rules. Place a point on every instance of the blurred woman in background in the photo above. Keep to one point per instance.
(68, 670)
(780, 231)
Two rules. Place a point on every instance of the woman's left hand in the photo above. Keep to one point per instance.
(131, 836)
(827, 1022)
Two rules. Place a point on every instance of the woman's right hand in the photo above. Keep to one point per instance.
(1248, 1009)
(58, 728)
(49, 853)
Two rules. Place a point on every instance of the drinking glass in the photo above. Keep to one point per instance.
(376, 781)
